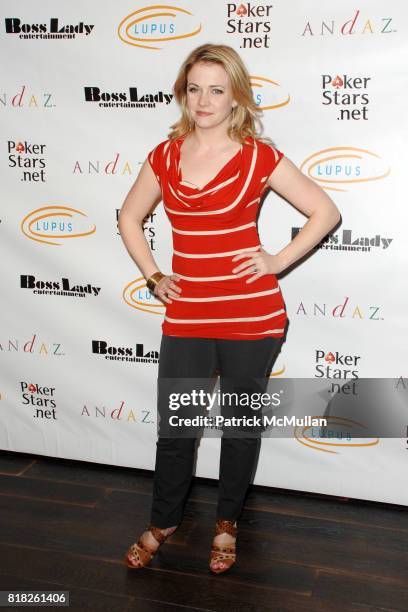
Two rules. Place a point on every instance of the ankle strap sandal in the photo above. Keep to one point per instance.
(222, 526)
(157, 534)
(224, 554)
(139, 555)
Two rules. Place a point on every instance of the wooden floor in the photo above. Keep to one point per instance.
(65, 525)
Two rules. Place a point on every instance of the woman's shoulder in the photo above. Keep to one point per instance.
(269, 150)
(269, 155)
(265, 145)
(157, 154)
(160, 146)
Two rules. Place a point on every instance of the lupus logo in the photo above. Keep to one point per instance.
(54, 224)
(339, 168)
(339, 436)
(138, 296)
(161, 23)
(278, 372)
(268, 94)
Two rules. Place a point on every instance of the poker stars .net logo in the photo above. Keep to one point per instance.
(28, 159)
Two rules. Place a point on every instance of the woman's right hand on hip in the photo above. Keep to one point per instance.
(167, 288)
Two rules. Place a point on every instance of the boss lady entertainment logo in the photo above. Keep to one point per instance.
(251, 22)
(347, 95)
(63, 287)
(28, 159)
(127, 99)
(138, 353)
(347, 240)
(54, 29)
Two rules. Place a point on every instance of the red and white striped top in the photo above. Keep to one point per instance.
(210, 226)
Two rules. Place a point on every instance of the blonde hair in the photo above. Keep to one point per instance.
(244, 117)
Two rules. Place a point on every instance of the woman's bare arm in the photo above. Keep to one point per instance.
(144, 194)
(289, 182)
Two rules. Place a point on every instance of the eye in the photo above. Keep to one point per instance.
(192, 89)
(218, 91)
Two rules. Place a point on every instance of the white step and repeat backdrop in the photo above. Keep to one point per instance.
(85, 94)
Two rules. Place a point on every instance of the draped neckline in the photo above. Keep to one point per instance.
(192, 186)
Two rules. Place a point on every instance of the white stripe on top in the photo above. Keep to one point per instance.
(268, 331)
(206, 278)
(214, 232)
(237, 296)
(237, 319)
(216, 188)
(209, 255)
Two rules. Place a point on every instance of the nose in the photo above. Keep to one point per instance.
(203, 99)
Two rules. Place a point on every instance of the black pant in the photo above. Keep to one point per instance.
(199, 357)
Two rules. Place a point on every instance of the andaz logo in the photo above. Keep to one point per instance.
(30, 100)
(356, 25)
(340, 311)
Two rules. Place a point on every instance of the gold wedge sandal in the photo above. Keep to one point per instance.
(226, 553)
(139, 554)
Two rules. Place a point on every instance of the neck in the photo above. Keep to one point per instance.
(211, 139)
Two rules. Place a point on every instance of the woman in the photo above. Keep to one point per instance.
(224, 308)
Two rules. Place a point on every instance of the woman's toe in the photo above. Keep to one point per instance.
(218, 565)
(133, 561)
